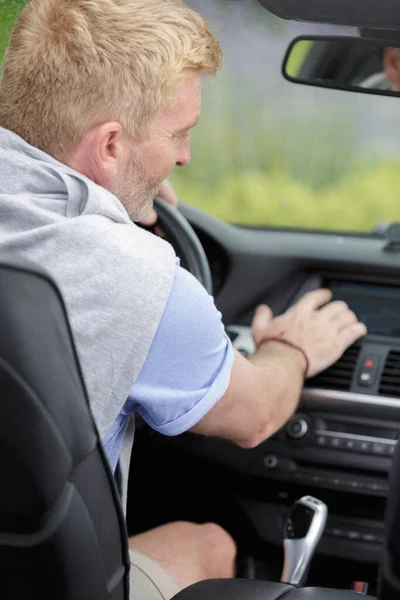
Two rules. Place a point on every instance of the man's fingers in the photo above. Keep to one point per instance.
(150, 220)
(166, 191)
(351, 334)
(335, 309)
(263, 315)
(262, 318)
(316, 299)
(344, 319)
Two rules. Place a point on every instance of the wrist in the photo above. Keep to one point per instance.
(284, 346)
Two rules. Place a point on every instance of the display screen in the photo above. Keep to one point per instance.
(378, 306)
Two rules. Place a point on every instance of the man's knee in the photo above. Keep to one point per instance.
(219, 551)
(189, 552)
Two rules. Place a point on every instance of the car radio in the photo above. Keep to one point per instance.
(334, 451)
(337, 433)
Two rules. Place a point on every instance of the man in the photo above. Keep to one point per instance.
(389, 78)
(96, 104)
(391, 66)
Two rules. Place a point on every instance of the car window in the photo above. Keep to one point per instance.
(271, 153)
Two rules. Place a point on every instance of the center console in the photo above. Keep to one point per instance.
(340, 443)
(362, 448)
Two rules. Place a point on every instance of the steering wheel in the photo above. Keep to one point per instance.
(185, 241)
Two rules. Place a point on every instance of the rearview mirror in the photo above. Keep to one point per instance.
(345, 63)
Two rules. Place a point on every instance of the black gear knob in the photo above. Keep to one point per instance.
(302, 532)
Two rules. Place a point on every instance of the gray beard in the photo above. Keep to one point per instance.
(137, 198)
(139, 206)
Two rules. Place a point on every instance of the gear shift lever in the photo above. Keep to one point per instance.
(302, 532)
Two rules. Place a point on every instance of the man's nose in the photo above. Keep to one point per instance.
(183, 158)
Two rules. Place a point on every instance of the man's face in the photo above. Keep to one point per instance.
(149, 163)
(391, 65)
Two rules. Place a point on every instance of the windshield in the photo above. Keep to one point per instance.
(271, 153)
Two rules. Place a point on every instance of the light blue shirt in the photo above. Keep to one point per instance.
(186, 371)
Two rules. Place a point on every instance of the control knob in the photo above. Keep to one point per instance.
(297, 427)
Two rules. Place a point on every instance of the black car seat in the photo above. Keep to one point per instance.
(62, 530)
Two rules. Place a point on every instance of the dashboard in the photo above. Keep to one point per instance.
(340, 443)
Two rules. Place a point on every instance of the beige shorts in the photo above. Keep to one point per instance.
(148, 580)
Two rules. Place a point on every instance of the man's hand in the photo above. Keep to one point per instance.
(169, 195)
(264, 390)
(323, 329)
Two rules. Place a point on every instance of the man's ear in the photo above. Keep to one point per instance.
(101, 153)
(391, 66)
(108, 146)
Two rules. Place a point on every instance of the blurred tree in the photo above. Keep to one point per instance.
(9, 10)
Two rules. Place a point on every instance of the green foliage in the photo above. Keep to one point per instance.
(277, 171)
(9, 10)
(360, 202)
(297, 57)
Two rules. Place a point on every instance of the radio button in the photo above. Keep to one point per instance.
(336, 442)
(356, 485)
(322, 440)
(350, 444)
(303, 478)
(361, 446)
(369, 537)
(352, 484)
(378, 487)
(271, 461)
(365, 378)
(379, 448)
(297, 428)
(338, 532)
(368, 370)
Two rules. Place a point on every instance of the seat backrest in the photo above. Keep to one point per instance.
(62, 529)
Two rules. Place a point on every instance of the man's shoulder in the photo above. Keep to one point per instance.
(116, 280)
(123, 243)
(125, 235)
(124, 265)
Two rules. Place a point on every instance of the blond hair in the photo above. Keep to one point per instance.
(71, 64)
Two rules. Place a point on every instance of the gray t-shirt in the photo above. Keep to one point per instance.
(115, 277)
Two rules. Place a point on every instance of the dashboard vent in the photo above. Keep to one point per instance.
(339, 376)
(390, 380)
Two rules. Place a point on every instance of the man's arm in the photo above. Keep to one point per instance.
(262, 395)
(193, 380)
(264, 391)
